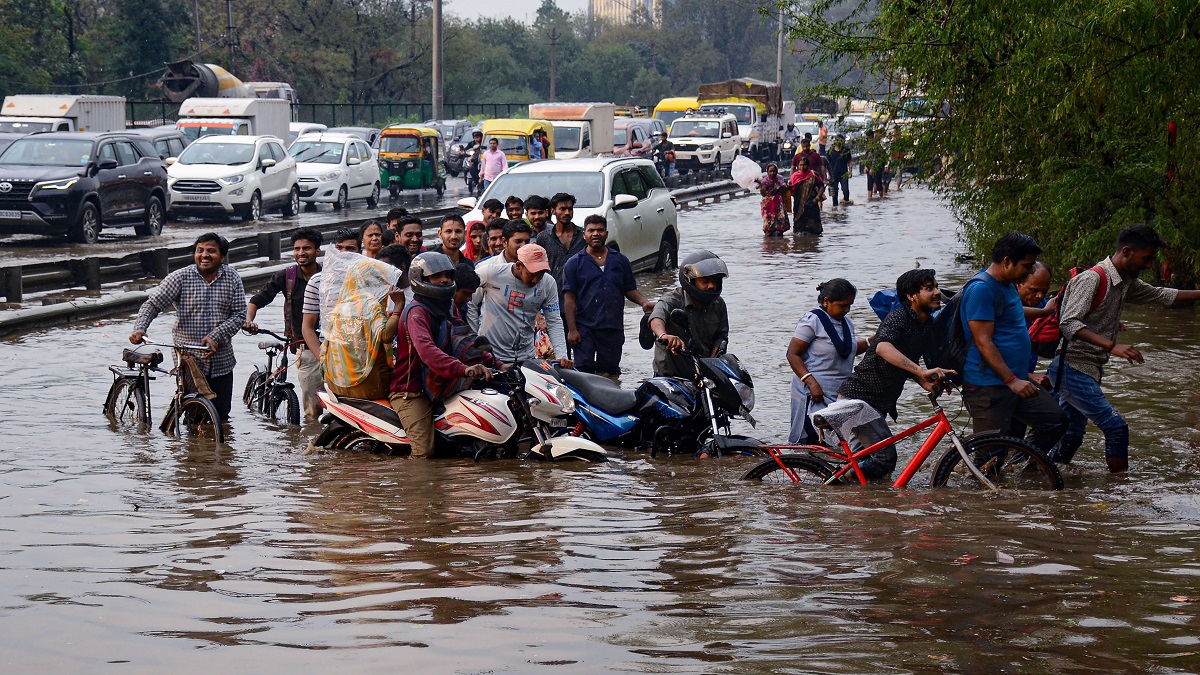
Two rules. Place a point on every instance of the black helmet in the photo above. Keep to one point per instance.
(702, 264)
(426, 265)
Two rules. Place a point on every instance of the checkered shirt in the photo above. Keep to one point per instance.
(215, 309)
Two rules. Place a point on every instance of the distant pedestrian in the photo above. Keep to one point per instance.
(776, 201)
(452, 233)
(806, 194)
(475, 245)
(493, 163)
(563, 240)
(596, 281)
(822, 137)
(514, 208)
(839, 162)
(370, 239)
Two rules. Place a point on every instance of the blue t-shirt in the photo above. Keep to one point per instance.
(1011, 335)
(599, 294)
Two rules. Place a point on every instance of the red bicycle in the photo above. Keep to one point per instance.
(996, 461)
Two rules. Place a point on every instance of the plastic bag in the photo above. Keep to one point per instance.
(745, 172)
(354, 292)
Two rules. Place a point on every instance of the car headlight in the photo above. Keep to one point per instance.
(707, 146)
(171, 181)
(231, 180)
(568, 401)
(332, 175)
(746, 394)
(64, 184)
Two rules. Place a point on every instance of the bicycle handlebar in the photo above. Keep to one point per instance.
(194, 348)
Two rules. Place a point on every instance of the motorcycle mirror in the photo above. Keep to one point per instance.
(482, 344)
(679, 317)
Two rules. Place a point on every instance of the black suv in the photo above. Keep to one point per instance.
(77, 183)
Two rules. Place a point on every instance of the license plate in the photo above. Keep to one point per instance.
(559, 422)
(196, 198)
(10, 215)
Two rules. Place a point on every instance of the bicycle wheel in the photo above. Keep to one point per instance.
(1006, 461)
(126, 404)
(198, 418)
(281, 396)
(253, 396)
(811, 470)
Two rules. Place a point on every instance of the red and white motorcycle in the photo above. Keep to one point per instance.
(526, 404)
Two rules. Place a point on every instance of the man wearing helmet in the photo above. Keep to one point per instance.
(699, 296)
(422, 344)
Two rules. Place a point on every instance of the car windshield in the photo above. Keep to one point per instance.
(24, 127)
(620, 137)
(668, 116)
(317, 152)
(228, 154)
(566, 139)
(194, 131)
(408, 144)
(513, 145)
(47, 152)
(695, 129)
(588, 187)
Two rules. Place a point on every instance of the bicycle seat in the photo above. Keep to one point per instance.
(844, 415)
(142, 356)
(271, 344)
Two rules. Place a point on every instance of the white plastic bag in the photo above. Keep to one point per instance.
(745, 171)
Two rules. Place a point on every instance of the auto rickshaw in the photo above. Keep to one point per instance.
(515, 137)
(410, 158)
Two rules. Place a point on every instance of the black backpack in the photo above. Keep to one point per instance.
(948, 348)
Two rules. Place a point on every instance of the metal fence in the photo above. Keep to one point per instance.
(154, 113)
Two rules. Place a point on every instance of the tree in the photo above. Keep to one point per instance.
(1056, 122)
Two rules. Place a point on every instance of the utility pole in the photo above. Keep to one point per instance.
(230, 38)
(779, 52)
(554, 35)
(199, 46)
(437, 59)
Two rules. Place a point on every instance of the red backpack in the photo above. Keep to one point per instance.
(1044, 332)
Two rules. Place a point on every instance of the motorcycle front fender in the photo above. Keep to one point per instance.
(334, 428)
(570, 447)
(734, 443)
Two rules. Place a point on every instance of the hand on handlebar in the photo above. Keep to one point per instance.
(671, 342)
(931, 376)
(210, 343)
(479, 372)
(250, 327)
(137, 336)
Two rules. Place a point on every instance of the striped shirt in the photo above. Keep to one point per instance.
(215, 309)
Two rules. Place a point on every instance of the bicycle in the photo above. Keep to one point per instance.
(998, 460)
(128, 400)
(268, 389)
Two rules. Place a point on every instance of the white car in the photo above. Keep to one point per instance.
(298, 129)
(704, 141)
(233, 175)
(628, 192)
(335, 168)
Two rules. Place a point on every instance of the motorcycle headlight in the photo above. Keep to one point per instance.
(746, 394)
(568, 401)
(231, 180)
(332, 175)
(64, 184)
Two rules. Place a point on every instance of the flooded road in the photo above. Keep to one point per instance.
(143, 551)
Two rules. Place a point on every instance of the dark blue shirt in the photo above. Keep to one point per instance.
(599, 294)
(1011, 337)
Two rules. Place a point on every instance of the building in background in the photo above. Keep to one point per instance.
(625, 11)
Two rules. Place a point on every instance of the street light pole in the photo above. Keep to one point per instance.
(199, 46)
(554, 35)
(779, 52)
(437, 59)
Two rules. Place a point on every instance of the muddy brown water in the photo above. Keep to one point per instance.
(147, 552)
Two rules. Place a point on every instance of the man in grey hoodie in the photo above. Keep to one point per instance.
(507, 304)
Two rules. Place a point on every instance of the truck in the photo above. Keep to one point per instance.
(758, 107)
(185, 79)
(580, 129)
(199, 117)
(28, 113)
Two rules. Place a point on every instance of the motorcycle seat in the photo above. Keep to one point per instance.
(142, 356)
(600, 391)
(380, 409)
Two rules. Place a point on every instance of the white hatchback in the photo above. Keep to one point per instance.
(335, 168)
(629, 193)
(228, 175)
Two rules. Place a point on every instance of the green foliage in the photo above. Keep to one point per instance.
(1055, 118)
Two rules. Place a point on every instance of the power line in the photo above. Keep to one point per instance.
(93, 84)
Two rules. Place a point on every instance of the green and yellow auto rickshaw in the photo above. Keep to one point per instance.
(410, 158)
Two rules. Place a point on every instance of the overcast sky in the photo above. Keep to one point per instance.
(523, 10)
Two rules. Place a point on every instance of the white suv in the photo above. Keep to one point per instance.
(642, 223)
(335, 168)
(233, 175)
(704, 140)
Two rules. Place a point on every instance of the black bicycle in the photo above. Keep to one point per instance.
(128, 401)
(268, 390)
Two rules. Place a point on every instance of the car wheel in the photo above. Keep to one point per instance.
(668, 253)
(292, 206)
(86, 230)
(253, 210)
(152, 223)
(373, 200)
(343, 199)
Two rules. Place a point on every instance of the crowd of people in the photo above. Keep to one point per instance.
(388, 318)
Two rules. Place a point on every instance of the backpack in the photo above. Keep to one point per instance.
(453, 336)
(950, 345)
(290, 275)
(1044, 333)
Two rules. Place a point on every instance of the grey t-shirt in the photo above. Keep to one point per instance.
(822, 358)
(708, 326)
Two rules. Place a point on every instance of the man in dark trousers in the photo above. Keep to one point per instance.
(291, 281)
(839, 163)
(597, 281)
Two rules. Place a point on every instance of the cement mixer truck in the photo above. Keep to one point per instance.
(185, 79)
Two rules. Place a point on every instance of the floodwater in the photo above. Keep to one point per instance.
(144, 551)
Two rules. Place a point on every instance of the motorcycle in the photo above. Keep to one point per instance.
(672, 415)
(471, 170)
(787, 150)
(491, 418)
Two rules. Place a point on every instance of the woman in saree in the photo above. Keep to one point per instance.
(776, 195)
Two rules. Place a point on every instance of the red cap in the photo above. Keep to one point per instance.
(533, 257)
